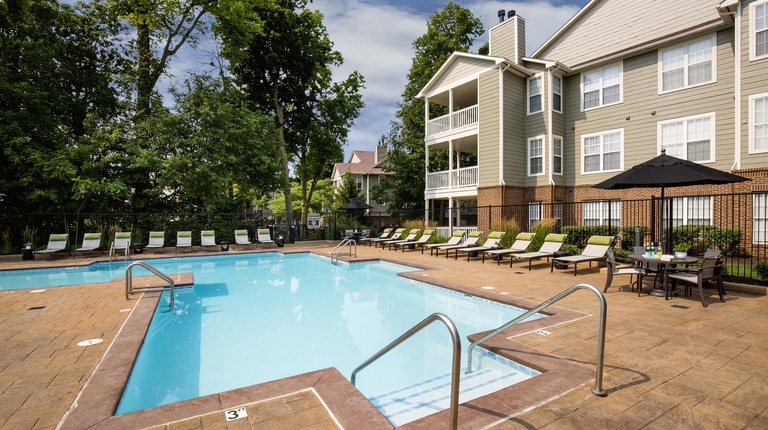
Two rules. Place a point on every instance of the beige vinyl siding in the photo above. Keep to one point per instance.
(754, 80)
(461, 69)
(536, 125)
(585, 40)
(504, 37)
(515, 91)
(488, 129)
(643, 108)
(559, 128)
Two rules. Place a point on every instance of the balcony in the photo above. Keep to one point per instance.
(461, 118)
(452, 179)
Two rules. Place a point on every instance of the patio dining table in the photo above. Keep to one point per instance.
(665, 262)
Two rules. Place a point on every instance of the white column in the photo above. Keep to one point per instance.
(450, 214)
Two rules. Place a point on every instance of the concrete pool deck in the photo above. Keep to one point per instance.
(668, 364)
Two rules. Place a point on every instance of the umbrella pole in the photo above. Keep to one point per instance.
(661, 219)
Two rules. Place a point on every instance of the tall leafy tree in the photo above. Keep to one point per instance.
(57, 64)
(282, 69)
(451, 29)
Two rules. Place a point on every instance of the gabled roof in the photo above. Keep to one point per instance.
(459, 56)
(361, 163)
(633, 25)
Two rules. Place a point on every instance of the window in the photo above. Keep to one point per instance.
(536, 156)
(600, 211)
(602, 152)
(557, 94)
(689, 138)
(690, 210)
(534, 94)
(557, 155)
(601, 87)
(534, 213)
(359, 181)
(760, 218)
(687, 65)
(758, 123)
(758, 30)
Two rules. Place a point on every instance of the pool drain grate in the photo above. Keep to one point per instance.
(90, 342)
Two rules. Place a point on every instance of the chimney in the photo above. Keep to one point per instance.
(381, 153)
(501, 15)
(507, 39)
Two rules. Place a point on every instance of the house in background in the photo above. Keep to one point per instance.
(367, 169)
(622, 80)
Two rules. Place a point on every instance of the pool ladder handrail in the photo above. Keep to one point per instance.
(455, 368)
(129, 282)
(340, 247)
(112, 252)
(598, 388)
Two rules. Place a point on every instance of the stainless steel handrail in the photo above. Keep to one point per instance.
(455, 368)
(340, 247)
(598, 388)
(112, 252)
(129, 282)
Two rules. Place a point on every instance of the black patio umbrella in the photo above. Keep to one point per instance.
(356, 205)
(667, 171)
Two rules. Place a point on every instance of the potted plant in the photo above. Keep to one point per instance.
(681, 250)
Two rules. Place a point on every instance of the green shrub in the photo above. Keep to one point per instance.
(510, 227)
(761, 268)
(628, 236)
(571, 249)
(542, 229)
(578, 235)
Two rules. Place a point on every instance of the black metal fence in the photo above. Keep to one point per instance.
(736, 224)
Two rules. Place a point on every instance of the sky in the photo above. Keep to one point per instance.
(375, 38)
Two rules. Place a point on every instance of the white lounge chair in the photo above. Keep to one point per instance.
(395, 236)
(156, 240)
(423, 239)
(411, 236)
(384, 235)
(56, 243)
(183, 240)
(208, 240)
(241, 238)
(472, 239)
(552, 243)
(121, 244)
(455, 239)
(91, 242)
(521, 243)
(263, 237)
(491, 243)
(595, 250)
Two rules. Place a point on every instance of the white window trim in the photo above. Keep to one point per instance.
(621, 158)
(621, 87)
(759, 217)
(686, 202)
(552, 94)
(543, 155)
(752, 31)
(751, 122)
(712, 141)
(686, 86)
(602, 210)
(540, 77)
(562, 155)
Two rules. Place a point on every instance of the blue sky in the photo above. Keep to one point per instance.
(375, 38)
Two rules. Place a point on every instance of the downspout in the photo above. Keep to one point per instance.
(501, 133)
(550, 134)
(737, 87)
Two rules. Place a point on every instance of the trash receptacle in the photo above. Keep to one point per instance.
(280, 241)
(560, 266)
(224, 245)
(138, 248)
(27, 253)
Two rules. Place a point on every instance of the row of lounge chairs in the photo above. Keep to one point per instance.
(462, 243)
(92, 241)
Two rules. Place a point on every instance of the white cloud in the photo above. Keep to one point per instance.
(377, 41)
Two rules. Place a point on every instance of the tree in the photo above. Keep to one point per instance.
(322, 132)
(57, 65)
(281, 68)
(452, 29)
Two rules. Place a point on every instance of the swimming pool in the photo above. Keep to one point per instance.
(268, 314)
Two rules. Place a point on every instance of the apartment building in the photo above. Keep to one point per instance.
(367, 170)
(619, 82)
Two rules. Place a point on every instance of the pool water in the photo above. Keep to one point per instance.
(260, 317)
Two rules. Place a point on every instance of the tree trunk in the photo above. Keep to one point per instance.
(283, 159)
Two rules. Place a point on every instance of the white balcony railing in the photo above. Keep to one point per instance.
(461, 118)
(458, 178)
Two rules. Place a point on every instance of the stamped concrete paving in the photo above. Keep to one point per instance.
(668, 364)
